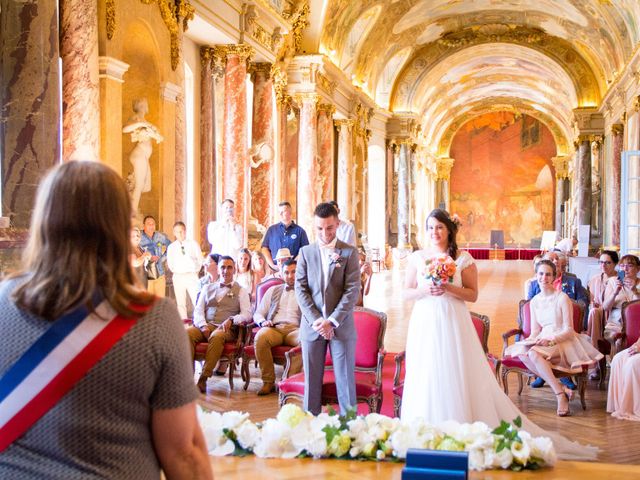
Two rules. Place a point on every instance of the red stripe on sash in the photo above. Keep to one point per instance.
(90, 355)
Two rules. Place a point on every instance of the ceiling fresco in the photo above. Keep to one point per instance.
(445, 60)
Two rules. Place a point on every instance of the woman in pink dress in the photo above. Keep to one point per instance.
(597, 287)
(553, 343)
(623, 401)
(620, 291)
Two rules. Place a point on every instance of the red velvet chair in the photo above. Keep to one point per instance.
(482, 325)
(248, 350)
(370, 327)
(630, 325)
(514, 364)
(231, 351)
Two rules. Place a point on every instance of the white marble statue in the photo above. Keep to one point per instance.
(142, 132)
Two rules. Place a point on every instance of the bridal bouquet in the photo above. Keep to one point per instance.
(295, 433)
(440, 269)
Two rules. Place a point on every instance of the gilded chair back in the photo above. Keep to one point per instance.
(265, 285)
(482, 324)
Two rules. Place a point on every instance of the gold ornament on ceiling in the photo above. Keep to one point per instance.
(110, 6)
(496, 32)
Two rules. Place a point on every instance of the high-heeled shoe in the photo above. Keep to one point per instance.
(567, 412)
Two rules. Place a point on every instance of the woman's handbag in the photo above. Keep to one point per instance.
(152, 270)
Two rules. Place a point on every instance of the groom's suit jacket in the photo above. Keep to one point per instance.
(336, 298)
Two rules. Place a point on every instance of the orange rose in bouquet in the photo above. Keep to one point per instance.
(440, 269)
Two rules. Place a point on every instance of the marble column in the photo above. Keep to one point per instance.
(112, 71)
(561, 166)
(583, 178)
(180, 159)
(29, 108)
(325, 151)
(617, 140)
(207, 173)
(443, 176)
(345, 168)
(263, 206)
(167, 152)
(307, 197)
(218, 62)
(403, 169)
(80, 82)
(234, 150)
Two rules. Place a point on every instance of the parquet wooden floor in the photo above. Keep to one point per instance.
(500, 290)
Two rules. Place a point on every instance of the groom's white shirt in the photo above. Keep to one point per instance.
(326, 250)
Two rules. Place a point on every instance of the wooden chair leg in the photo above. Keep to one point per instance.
(520, 383)
(582, 384)
(232, 369)
(505, 383)
(397, 404)
(602, 365)
(246, 375)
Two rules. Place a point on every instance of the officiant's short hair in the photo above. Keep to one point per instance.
(325, 210)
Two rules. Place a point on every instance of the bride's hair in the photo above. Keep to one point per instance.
(452, 227)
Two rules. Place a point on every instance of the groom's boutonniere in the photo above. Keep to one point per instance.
(336, 259)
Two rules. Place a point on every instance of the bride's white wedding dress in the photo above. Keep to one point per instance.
(447, 374)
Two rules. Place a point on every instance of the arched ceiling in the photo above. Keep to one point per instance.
(545, 58)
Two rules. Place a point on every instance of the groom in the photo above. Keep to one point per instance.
(327, 288)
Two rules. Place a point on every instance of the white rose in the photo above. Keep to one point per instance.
(520, 452)
(275, 441)
(233, 419)
(502, 459)
(248, 434)
(477, 459)
(291, 414)
(542, 448)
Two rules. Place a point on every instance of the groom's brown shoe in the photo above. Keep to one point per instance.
(266, 389)
(202, 384)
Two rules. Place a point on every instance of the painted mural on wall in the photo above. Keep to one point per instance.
(503, 179)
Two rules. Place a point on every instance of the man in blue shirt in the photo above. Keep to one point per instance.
(286, 234)
(156, 243)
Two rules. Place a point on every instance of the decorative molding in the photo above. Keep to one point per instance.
(110, 6)
(279, 84)
(495, 33)
(636, 103)
(347, 123)
(325, 84)
(302, 98)
(170, 91)
(174, 13)
(617, 129)
(328, 108)
(260, 67)
(112, 68)
(206, 56)
(241, 50)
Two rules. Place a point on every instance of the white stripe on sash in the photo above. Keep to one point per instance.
(56, 361)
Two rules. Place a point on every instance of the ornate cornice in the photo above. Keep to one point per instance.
(112, 68)
(347, 123)
(241, 50)
(302, 98)
(617, 129)
(263, 68)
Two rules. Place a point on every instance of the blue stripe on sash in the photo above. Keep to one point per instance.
(40, 349)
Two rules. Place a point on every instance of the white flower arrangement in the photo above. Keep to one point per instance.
(295, 433)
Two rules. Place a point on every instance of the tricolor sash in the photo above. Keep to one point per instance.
(51, 367)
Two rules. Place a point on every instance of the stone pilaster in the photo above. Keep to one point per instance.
(307, 198)
(207, 166)
(345, 168)
(325, 151)
(617, 140)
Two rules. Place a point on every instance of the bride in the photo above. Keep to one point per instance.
(447, 374)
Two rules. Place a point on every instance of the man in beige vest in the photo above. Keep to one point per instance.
(279, 316)
(220, 307)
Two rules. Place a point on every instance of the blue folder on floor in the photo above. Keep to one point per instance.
(435, 464)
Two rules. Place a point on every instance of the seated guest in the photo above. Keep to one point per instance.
(281, 257)
(529, 281)
(122, 412)
(366, 273)
(620, 291)
(244, 274)
(566, 245)
(221, 306)
(553, 343)
(278, 315)
(286, 234)
(623, 400)
(211, 275)
(597, 287)
(567, 283)
(259, 267)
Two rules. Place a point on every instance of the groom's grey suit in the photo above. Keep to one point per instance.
(332, 299)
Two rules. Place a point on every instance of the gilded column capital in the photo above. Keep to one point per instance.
(561, 165)
(327, 108)
(636, 103)
(206, 57)
(303, 98)
(617, 129)
(583, 137)
(242, 50)
(344, 122)
(443, 168)
(263, 68)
